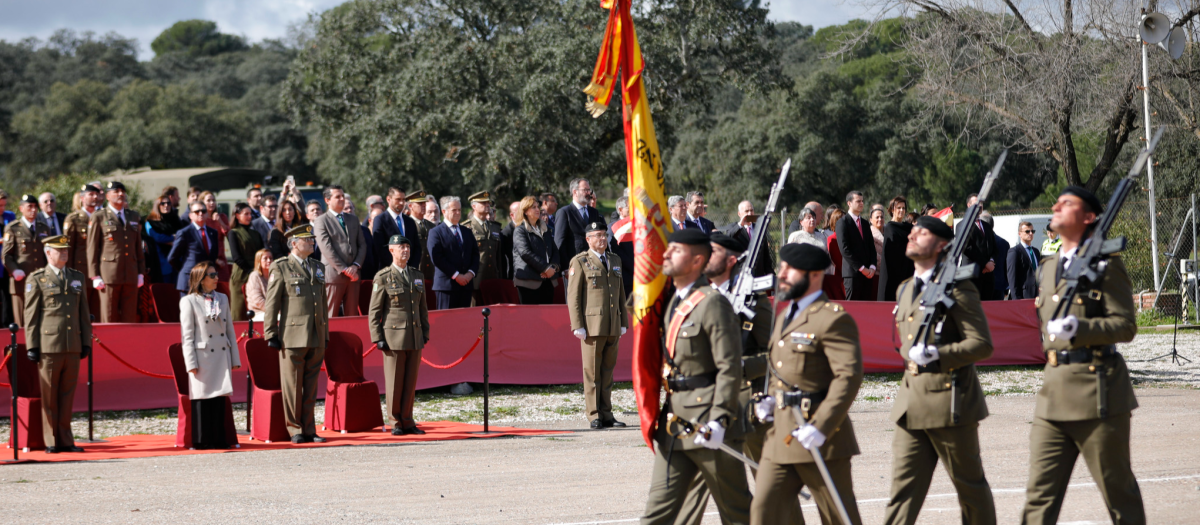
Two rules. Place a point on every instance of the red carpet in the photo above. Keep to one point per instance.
(145, 446)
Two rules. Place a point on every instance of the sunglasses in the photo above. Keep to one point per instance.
(1027, 231)
(211, 275)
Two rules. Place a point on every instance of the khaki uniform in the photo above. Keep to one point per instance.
(930, 426)
(399, 315)
(75, 228)
(115, 254)
(60, 326)
(23, 251)
(295, 313)
(1068, 421)
(818, 353)
(487, 237)
(706, 348)
(597, 303)
(423, 227)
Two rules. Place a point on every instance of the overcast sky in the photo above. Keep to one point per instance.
(254, 19)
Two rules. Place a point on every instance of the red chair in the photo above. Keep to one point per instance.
(364, 296)
(499, 291)
(183, 431)
(166, 302)
(560, 292)
(351, 402)
(268, 424)
(223, 287)
(29, 402)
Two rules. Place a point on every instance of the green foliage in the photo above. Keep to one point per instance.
(66, 186)
(195, 38)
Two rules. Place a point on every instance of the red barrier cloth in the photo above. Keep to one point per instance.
(529, 345)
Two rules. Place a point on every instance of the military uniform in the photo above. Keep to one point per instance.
(930, 424)
(399, 317)
(59, 331)
(423, 227)
(296, 322)
(596, 303)
(115, 255)
(23, 251)
(817, 359)
(703, 357)
(1068, 420)
(487, 237)
(75, 228)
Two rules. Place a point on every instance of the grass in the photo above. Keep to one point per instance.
(1152, 317)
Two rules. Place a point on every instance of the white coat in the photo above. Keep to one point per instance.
(209, 346)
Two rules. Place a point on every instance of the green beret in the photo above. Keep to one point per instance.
(398, 239)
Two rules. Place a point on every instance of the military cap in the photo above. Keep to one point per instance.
(1087, 196)
(114, 186)
(29, 199)
(303, 231)
(89, 187)
(56, 241)
(595, 226)
(935, 226)
(398, 239)
(481, 196)
(804, 256)
(727, 242)
(689, 236)
(416, 196)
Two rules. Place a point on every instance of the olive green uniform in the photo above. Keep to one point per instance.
(1068, 421)
(707, 349)
(938, 408)
(59, 324)
(597, 303)
(399, 316)
(116, 256)
(75, 228)
(296, 314)
(816, 353)
(487, 236)
(23, 251)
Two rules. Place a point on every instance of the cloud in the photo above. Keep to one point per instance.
(816, 13)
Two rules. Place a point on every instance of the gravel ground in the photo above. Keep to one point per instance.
(515, 405)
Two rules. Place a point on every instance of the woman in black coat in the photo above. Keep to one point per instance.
(895, 267)
(535, 257)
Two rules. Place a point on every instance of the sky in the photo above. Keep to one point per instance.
(255, 19)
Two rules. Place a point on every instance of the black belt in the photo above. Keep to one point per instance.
(931, 368)
(684, 383)
(1081, 355)
(791, 399)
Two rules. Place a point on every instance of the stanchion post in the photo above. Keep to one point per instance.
(486, 387)
(249, 383)
(12, 374)
(90, 381)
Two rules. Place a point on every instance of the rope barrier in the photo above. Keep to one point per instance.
(126, 363)
(460, 360)
(2, 365)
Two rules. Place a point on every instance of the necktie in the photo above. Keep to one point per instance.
(918, 286)
(1032, 259)
(204, 237)
(603, 262)
(343, 223)
(792, 312)
(457, 235)
(979, 224)
(1062, 268)
(858, 223)
(400, 223)
(121, 218)
(583, 212)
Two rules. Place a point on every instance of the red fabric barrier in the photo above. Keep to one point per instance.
(529, 345)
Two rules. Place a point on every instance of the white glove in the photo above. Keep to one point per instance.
(922, 354)
(765, 409)
(18, 274)
(622, 330)
(98, 283)
(809, 436)
(716, 434)
(1064, 328)
(581, 333)
(141, 280)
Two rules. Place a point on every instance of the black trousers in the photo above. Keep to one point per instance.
(208, 423)
(459, 298)
(858, 287)
(544, 294)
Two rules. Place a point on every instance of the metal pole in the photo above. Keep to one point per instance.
(1150, 162)
(486, 386)
(12, 374)
(91, 419)
(249, 383)
(1196, 271)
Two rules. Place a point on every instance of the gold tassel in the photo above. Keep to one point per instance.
(595, 108)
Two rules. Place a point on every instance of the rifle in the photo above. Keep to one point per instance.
(1091, 259)
(744, 296)
(938, 297)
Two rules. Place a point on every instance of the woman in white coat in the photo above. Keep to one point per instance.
(210, 351)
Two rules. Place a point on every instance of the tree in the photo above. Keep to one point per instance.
(196, 38)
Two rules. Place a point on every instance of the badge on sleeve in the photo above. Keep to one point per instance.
(28, 287)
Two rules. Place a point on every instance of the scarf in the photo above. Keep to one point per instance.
(212, 307)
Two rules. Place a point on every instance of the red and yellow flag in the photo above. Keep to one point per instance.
(621, 58)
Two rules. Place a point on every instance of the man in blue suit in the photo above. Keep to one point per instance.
(193, 245)
(1023, 260)
(392, 222)
(455, 256)
(571, 220)
(695, 207)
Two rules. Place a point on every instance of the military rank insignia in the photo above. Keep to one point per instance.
(800, 338)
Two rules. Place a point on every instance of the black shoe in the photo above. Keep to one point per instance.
(397, 431)
(300, 438)
(596, 424)
(71, 448)
(414, 430)
(316, 439)
(52, 450)
(614, 423)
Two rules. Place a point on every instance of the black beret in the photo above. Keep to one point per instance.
(804, 256)
(29, 199)
(1087, 196)
(727, 242)
(114, 186)
(689, 236)
(595, 226)
(89, 187)
(936, 226)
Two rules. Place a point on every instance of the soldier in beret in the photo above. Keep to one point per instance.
(58, 335)
(1087, 399)
(940, 403)
(816, 367)
(487, 237)
(417, 203)
(23, 252)
(116, 260)
(75, 227)
(399, 324)
(596, 303)
(296, 323)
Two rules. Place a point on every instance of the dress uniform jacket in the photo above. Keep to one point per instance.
(923, 400)
(23, 250)
(399, 313)
(57, 316)
(597, 301)
(818, 352)
(296, 298)
(487, 238)
(75, 227)
(209, 345)
(115, 252)
(423, 227)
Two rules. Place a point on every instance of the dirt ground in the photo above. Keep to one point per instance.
(583, 477)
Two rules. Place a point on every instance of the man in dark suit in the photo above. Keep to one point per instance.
(391, 222)
(1000, 275)
(193, 244)
(980, 250)
(549, 208)
(858, 250)
(1023, 261)
(570, 221)
(624, 249)
(455, 256)
(54, 221)
(506, 240)
(695, 207)
(677, 209)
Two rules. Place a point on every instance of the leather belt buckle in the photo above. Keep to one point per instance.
(912, 368)
(1052, 358)
(747, 326)
(1094, 295)
(666, 375)
(805, 405)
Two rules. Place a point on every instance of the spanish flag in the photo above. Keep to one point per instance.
(621, 58)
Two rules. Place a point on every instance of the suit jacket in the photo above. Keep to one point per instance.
(506, 250)
(980, 248)
(923, 400)
(370, 263)
(569, 230)
(701, 224)
(1000, 273)
(382, 230)
(399, 313)
(260, 225)
(858, 249)
(1022, 279)
(189, 250)
(209, 345)
(339, 248)
(115, 252)
(295, 312)
(449, 256)
(60, 217)
(56, 312)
